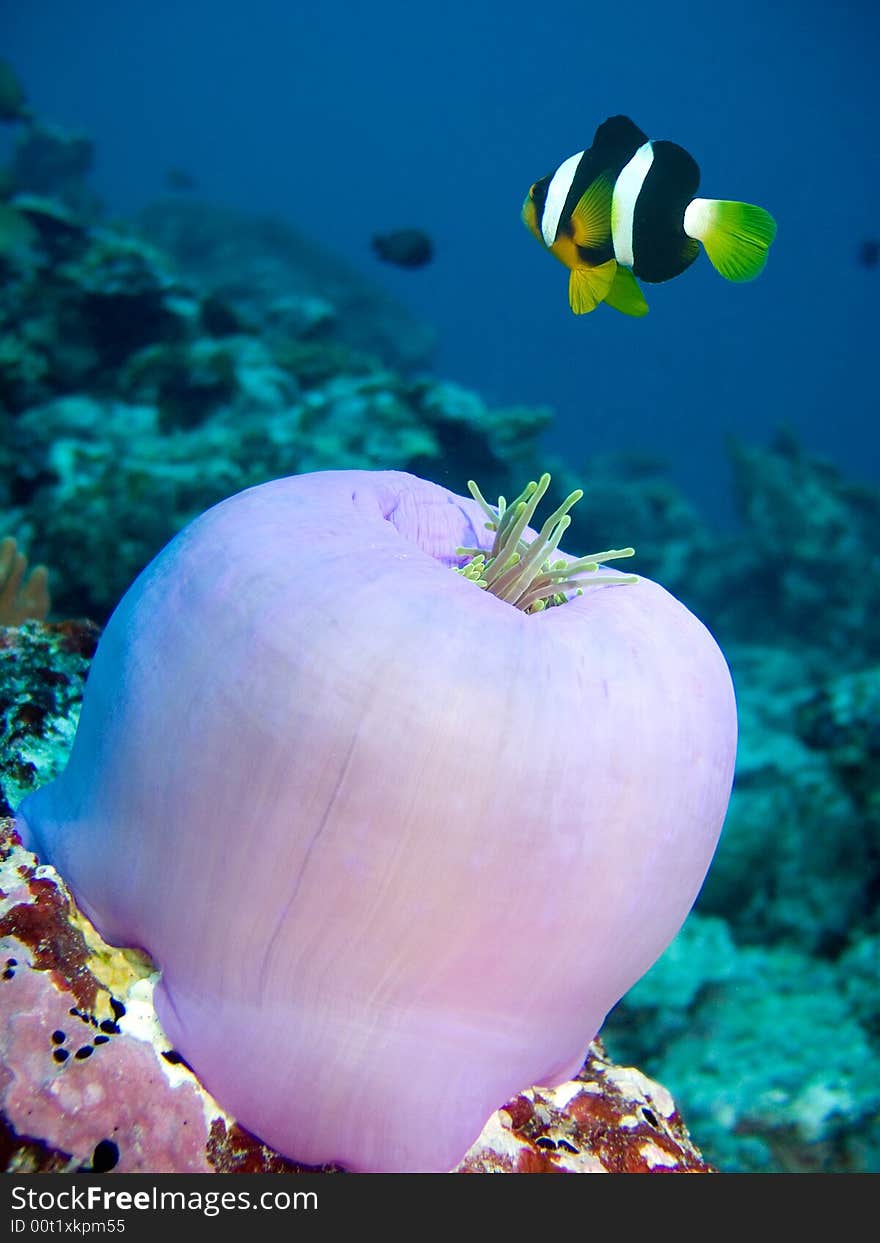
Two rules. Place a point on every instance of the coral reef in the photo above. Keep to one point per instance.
(131, 400)
(48, 159)
(42, 672)
(23, 595)
(778, 963)
(780, 1067)
(788, 980)
(767, 581)
(284, 284)
(818, 883)
(840, 720)
(803, 516)
(79, 306)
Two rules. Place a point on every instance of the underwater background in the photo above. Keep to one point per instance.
(191, 304)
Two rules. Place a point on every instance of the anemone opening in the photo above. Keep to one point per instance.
(524, 574)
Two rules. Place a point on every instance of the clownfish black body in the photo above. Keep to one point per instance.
(626, 208)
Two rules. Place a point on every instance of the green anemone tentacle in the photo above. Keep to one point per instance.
(523, 574)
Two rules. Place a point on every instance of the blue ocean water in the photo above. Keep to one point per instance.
(355, 120)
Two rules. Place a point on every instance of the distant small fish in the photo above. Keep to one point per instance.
(625, 208)
(869, 253)
(180, 179)
(408, 248)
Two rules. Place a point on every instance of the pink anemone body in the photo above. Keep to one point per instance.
(396, 846)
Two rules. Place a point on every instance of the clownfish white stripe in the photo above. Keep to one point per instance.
(623, 204)
(557, 193)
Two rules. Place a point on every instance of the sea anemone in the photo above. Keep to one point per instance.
(397, 844)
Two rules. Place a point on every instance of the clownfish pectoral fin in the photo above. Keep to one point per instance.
(626, 294)
(736, 235)
(591, 219)
(588, 286)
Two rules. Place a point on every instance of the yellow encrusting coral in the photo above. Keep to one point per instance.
(23, 597)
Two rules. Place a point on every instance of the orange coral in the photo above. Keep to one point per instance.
(21, 598)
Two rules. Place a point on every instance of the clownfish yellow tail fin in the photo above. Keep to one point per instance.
(588, 286)
(736, 235)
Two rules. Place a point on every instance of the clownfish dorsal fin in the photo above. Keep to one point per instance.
(736, 235)
(588, 286)
(619, 132)
(626, 295)
(591, 219)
